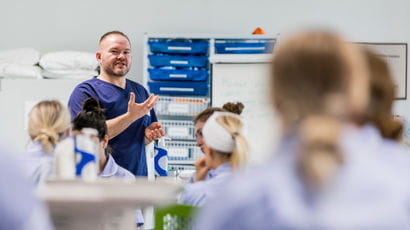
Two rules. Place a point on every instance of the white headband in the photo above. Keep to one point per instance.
(216, 136)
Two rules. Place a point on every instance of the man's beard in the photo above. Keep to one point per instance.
(109, 71)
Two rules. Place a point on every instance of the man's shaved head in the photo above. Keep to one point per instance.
(113, 32)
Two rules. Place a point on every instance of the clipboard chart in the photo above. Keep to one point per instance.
(396, 56)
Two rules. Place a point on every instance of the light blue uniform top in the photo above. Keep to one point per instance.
(112, 169)
(196, 194)
(369, 192)
(19, 208)
(37, 163)
(208, 176)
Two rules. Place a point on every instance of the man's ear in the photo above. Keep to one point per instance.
(98, 56)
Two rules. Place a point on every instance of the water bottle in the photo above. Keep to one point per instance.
(86, 154)
(161, 158)
(77, 156)
(64, 159)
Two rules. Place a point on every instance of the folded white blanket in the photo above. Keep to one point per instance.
(68, 60)
(69, 74)
(2, 67)
(21, 71)
(25, 56)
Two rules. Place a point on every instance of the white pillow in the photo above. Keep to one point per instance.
(22, 71)
(25, 56)
(69, 60)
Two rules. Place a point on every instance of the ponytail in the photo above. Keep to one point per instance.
(48, 120)
(234, 126)
(92, 116)
(238, 157)
(47, 139)
(321, 155)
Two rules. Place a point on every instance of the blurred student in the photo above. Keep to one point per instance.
(19, 207)
(201, 169)
(48, 123)
(92, 116)
(323, 175)
(382, 94)
(381, 129)
(225, 149)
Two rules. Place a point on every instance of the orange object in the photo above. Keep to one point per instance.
(258, 31)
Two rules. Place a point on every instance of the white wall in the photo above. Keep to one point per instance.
(77, 24)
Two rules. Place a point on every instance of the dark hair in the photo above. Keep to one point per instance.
(92, 116)
(113, 32)
(236, 108)
(382, 94)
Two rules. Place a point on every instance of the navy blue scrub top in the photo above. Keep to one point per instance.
(128, 147)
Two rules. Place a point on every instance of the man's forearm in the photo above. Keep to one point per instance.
(117, 125)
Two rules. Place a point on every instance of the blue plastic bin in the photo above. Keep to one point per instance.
(178, 61)
(241, 46)
(179, 88)
(178, 74)
(179, 47)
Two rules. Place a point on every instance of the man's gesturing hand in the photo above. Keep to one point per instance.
(138, 110)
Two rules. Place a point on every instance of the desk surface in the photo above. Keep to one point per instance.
(110, 191)
(103, 204)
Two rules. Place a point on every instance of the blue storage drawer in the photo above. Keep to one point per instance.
(179, 88)
(178, 74)
(178, 61)
(182, 47)
(244, 46)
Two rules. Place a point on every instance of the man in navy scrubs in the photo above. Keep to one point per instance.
(131, 121)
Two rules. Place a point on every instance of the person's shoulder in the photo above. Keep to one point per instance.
(87, 84)
(194, 194)
(135, 84)
(197, 186)
(124, 173)
(117, 170)
(394, 154)
(237, 203)
(251, 183)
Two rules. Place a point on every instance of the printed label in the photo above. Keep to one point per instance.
(245, 48)
(178, 108)
(178, 62)
(178, 152)
(176, 89)
(186, 48)
(178, 76)
(178, 131)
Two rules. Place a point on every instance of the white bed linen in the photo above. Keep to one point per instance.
(69, 60)
(26, 56)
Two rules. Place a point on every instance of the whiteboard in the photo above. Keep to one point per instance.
(249, 84)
